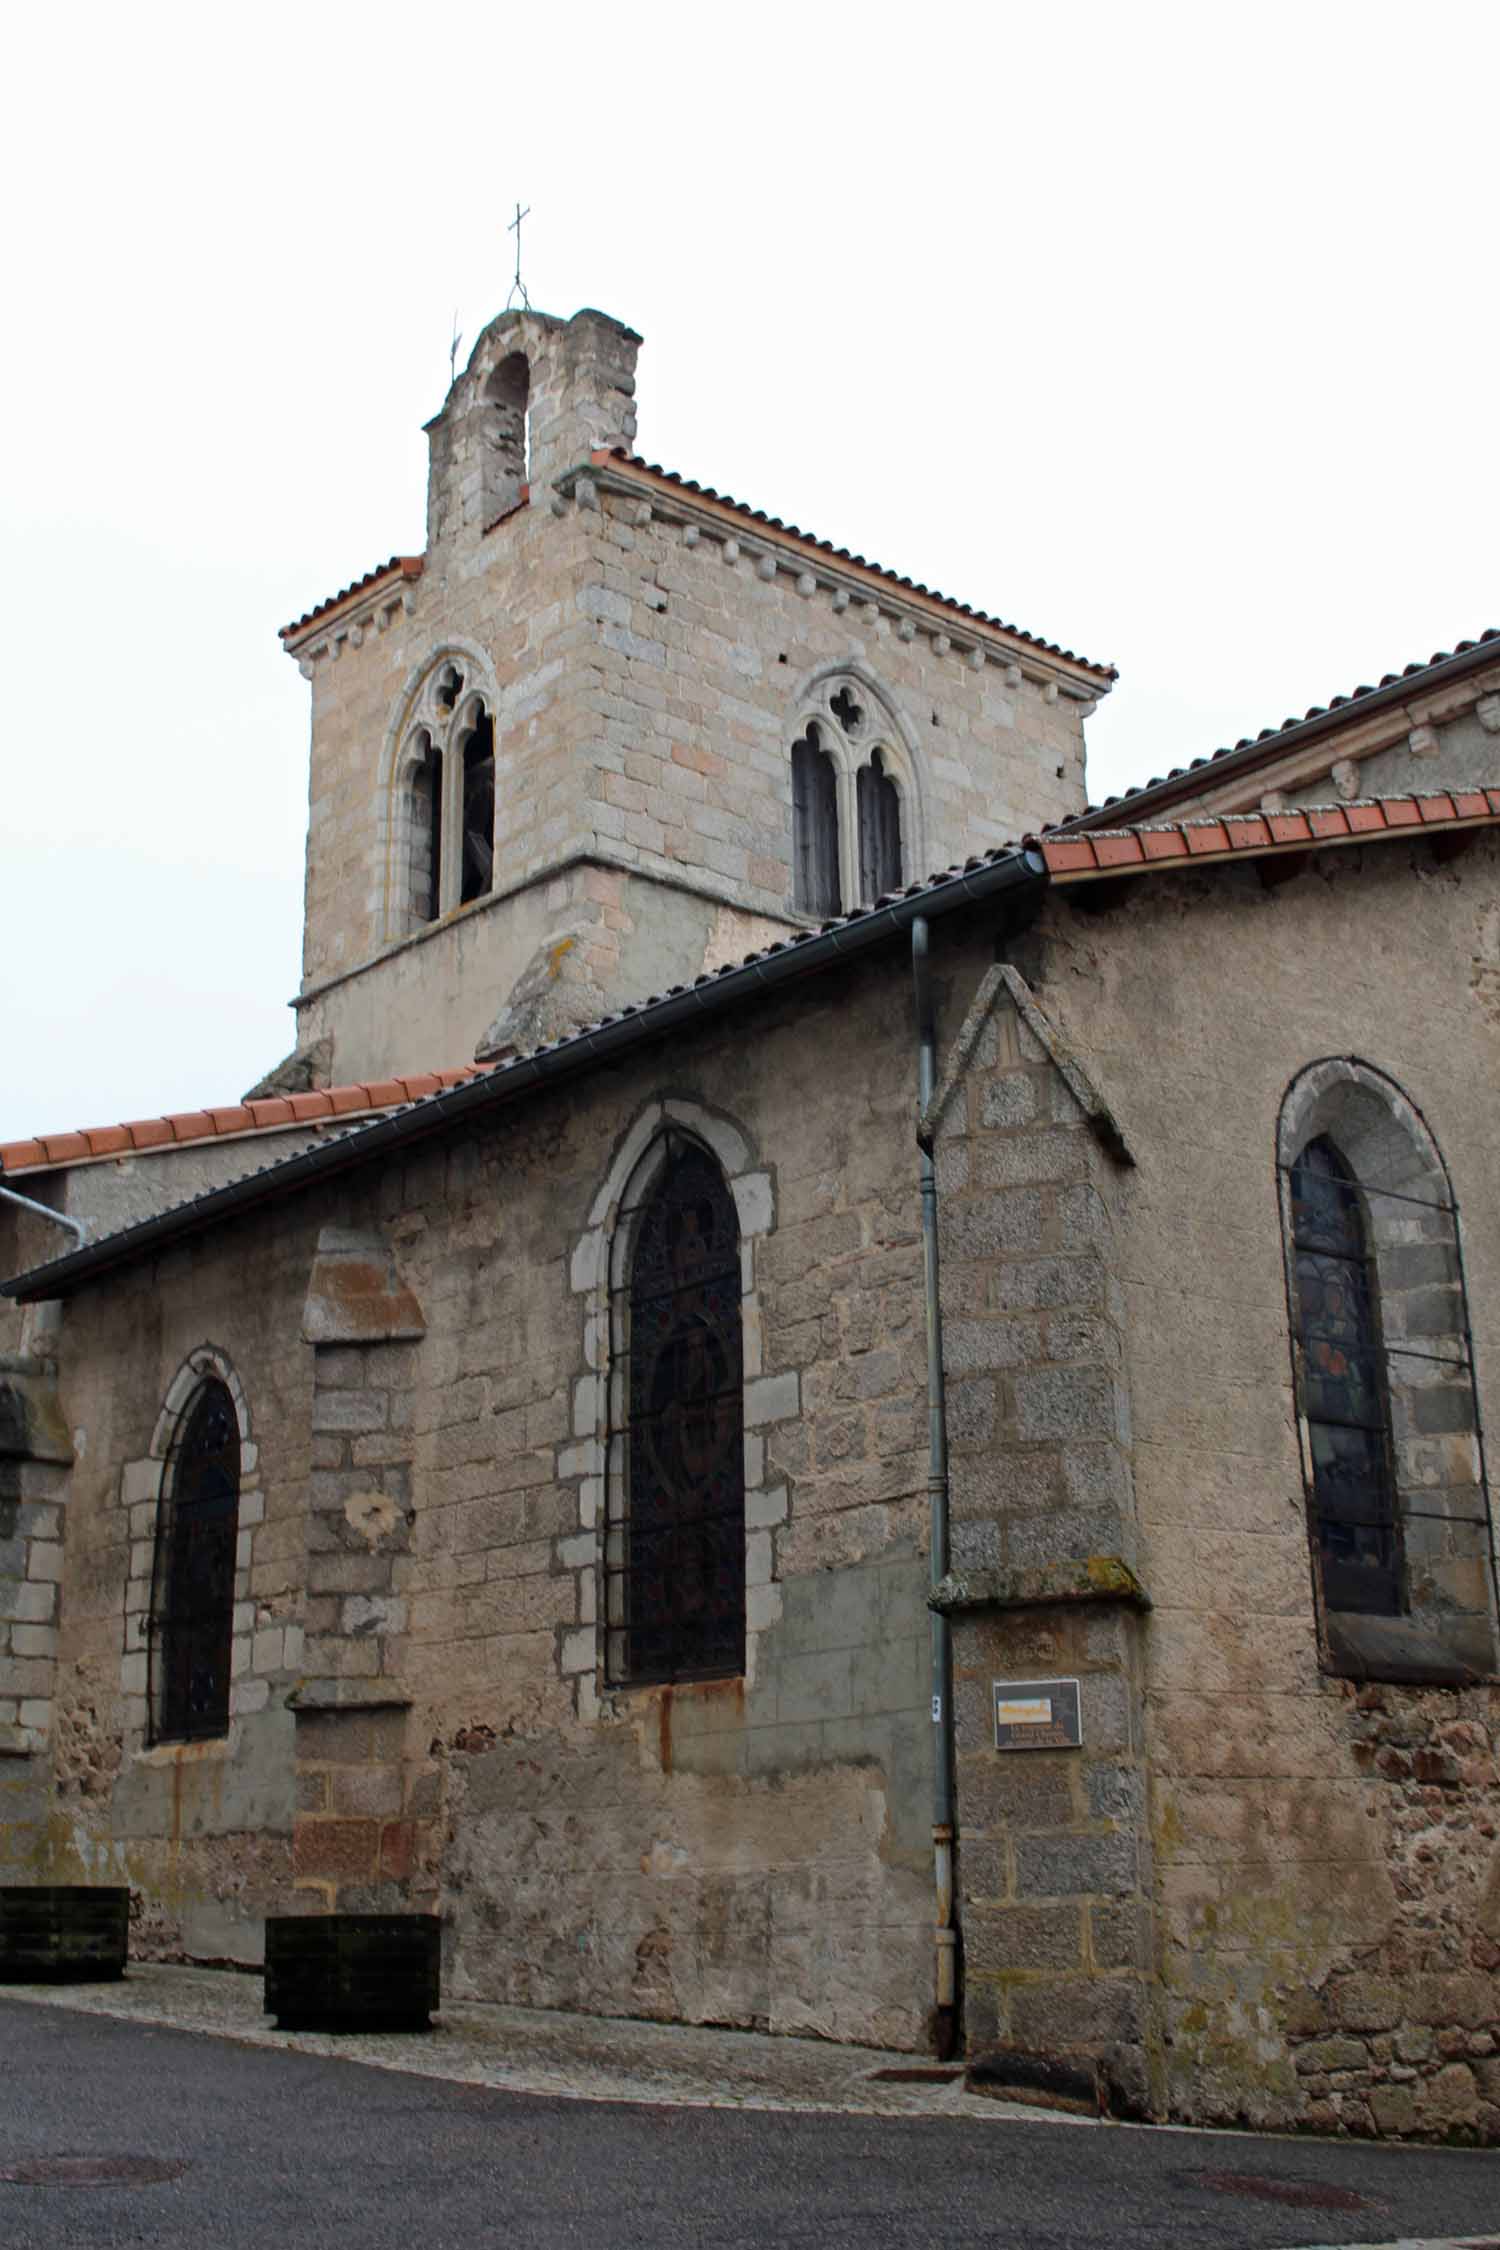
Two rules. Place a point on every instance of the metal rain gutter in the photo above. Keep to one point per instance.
(940, 1627)
(1022, 868)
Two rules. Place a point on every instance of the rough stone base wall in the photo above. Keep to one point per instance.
(366, 1839)
(1399, 2031)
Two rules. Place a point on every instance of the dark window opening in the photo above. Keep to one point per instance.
(879, 831)
(1344, 1391)
(426, 814)
(676, 1565)
(193, 1604)
(815, 826)
(506, 463)
(850, 715)
(479, 810)
(449, 688)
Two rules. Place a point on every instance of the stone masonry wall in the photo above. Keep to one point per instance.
(1054, 1857)
(751, 1851)
(202, 1831)
(36, 1452)
(649, 661)
(364, 1838)
(1326, 1856)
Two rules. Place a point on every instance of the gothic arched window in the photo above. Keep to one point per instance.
(1392, 1448)
(445, 801)
(505, 436)
(192, 1606)
(675, 1563)
(1345, 1401)
(851, 786)
(424, 829)
(879, 831)
(815, 825)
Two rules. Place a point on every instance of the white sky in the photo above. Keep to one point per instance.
(1168, 332)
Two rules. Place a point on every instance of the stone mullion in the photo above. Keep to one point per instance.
(451, 824)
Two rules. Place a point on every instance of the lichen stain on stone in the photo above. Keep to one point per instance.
(373, 1516)
(1109, 1575)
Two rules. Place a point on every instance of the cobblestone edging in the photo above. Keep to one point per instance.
(534, 2051)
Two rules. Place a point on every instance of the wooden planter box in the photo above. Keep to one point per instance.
(52, 1933)
(353, 1972)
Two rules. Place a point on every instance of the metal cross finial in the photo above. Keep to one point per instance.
(453, 351)
(518, 286)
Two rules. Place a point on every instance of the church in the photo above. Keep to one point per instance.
(833, 1392)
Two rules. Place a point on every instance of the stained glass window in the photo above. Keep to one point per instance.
(676, 1557)
(193, 1605)
(1345, 1397)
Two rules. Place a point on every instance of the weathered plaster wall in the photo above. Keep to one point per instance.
(1456, 752)
(116, 1191)
(1326, 1863)
(1440, 733)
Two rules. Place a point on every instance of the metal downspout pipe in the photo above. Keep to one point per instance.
(76, 1227)
(946, 1932)
(43, 1320)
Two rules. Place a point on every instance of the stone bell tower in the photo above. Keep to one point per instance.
(553, 754)
(538, 396)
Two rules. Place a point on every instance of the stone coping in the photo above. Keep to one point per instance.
(1098, 1578)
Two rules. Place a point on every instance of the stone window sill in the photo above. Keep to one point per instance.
(1407, 1652)
(203, 1752)
(1098, 1578)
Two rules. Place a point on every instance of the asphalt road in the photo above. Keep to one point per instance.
(285, 2151)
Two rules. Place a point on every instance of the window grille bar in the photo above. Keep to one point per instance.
(722, 1275)
(1406, 1351)
(1436, 1515)
(1394, 1195)
(674, 1548)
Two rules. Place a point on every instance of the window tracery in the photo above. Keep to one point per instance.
(445, 800)
(853, 800)
(1393, 1456)
(815, 825)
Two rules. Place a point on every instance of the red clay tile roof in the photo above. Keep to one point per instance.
(1064, 857)
(241, 1120)
(1252, 750)
(1077, 857)
(617, 456)
(406, 566)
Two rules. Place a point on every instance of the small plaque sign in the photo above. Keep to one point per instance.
(1037, 1715)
